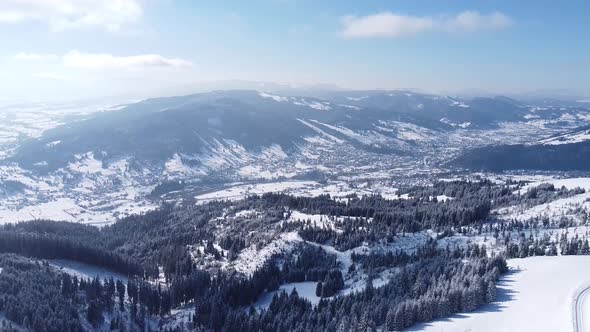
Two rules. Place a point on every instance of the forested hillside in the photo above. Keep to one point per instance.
(433, 251)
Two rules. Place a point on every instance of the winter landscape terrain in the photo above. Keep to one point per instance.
(92, 168)
(351, 192)
(294, 165)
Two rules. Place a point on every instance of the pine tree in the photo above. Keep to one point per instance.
(366, 324)
(344, 325)
(390, 320)
(318, 289)
(491, 292)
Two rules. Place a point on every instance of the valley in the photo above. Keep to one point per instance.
(294, 166)
(87, 178)
(352, 200)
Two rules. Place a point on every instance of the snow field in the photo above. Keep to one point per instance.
(85, 271)
(537, 295)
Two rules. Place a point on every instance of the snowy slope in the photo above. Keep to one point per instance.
(569, 183)
(569, 138)
(85, 271)
(305, 289)
(536, 296)
(230, 137)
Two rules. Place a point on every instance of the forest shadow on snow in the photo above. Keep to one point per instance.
(504, 294)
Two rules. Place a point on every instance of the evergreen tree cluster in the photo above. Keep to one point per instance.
(427, 289)
(32, 297)
(431, 283)
(54, 247)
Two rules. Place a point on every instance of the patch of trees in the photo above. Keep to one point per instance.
(373, 218)
(526, 246)
(432, 282)
(398, 258)
(31, 296)
(52, 247)
(167, 187)
(310, 263)
(39, 298)
(330, 285)
(427, 289)
(564, 157)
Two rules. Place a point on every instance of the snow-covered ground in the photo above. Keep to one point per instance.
(537, 295)
(251, 258)
(304, 289)
(569, 183)
(87, 191)
(316, 220)
(554, 209)
(570, 138)
(85, 271)
(336, 189)
(580, 310)
(240, 191)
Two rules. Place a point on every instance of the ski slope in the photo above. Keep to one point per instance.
(539, 294)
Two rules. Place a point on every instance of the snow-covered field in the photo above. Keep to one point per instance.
(305, 289)
(85, 271)
(537, 295)
(576, 137)
(569, 183)
(554, 209)
(336, 189)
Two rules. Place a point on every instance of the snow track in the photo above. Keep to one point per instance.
(581, 302)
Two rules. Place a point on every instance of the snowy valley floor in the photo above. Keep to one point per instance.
(537, 295)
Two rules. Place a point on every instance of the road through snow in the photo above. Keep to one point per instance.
(581, 306)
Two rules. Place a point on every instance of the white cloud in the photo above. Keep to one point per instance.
(24, 56)
(385, 25)
(391, 25)
(66, 14)
(473, 21)
(100, 61)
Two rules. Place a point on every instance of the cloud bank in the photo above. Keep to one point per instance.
(105, 61)
(99, 61)
(392, 25)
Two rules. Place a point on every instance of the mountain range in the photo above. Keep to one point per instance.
(96, 166)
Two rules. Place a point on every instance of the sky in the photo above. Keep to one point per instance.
(59, 49)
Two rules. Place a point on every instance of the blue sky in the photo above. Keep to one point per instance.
(86, 48)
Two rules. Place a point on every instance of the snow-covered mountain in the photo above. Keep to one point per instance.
(236, 125)
(569, 151)
(577, 135)
(116, 161)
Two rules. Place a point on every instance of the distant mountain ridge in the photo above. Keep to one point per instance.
(242, 124)
(565, 152)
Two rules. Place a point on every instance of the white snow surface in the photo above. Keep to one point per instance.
(336, 189)
(537, 295)
(576, 137)
(553, 209)
(85, 271)
(304, 289)
(569, 183)
(273, 97)
(319, 220)
(251, 259)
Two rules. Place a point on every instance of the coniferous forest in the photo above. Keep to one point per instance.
(202, 259)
